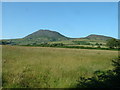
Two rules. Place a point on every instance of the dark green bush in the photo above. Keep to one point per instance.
(102, 79)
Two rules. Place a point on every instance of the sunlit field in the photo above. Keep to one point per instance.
(48, 67)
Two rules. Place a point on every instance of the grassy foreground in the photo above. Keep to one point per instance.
(46, 67)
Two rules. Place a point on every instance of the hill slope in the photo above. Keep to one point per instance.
(46, 35)
(40, 36)
(98, 37)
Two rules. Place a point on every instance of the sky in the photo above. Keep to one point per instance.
(72, 19)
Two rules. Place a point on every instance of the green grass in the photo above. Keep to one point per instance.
(46, 67)
(84, 40)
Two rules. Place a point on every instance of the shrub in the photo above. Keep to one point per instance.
(102, 79)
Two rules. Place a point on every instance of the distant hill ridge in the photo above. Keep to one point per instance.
(44, 36)
(98, 37)
(57, 36)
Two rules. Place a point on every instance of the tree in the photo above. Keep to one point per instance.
(112, 43)
(119, 43)
(96, 44)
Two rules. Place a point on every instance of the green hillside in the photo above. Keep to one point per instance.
(38, 37)
(98, 37)
(47, 36)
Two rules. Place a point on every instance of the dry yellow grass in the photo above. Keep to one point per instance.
(47, 67)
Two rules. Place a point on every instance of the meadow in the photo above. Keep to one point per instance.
(49, 67)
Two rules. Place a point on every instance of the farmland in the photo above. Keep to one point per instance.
(50, 67)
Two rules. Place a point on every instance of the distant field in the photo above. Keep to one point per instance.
(69, 42)
(47, 67)
(95, 46)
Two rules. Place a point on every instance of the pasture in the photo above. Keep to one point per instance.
(49, 67)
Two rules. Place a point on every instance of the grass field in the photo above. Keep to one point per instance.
(70, 42)
(46, 67)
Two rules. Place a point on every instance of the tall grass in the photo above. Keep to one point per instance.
(45, 67)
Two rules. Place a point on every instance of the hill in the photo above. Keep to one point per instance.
(98, 37)
(40, 36)
(45, 36)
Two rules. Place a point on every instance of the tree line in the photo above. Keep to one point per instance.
(113, 43)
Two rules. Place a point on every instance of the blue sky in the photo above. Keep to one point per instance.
(72, 19)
